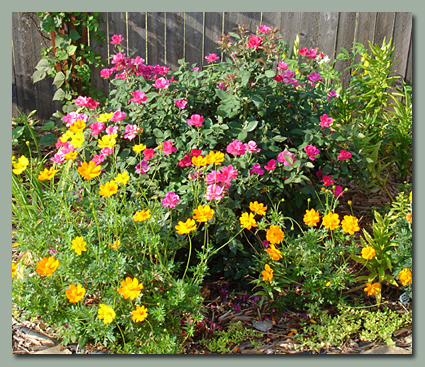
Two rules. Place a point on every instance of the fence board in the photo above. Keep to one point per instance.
(328, 24)
(272, 19)
(117, 25)
(194, 33)
(24, 64)
(345, 38)
(163, 38)
(101, 49)
(401, 41)
(309, 29)
(137, 33)
(213, 29)
(156, 39)
(289, 25)
(384, 27)
(174, 48)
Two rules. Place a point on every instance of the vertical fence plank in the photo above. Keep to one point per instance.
(401, 41)
(44, 89)
(137, 34)
(252, 20)
(156, 39)
(231, 21)
(365, 30)
(384, 27)
(22, 49)
(309, 29)
(409, 68)
(212, 32)
(328, 25)
(117, 25)
(272, 19)
(174, 48)
(194, 37)
(100, 48)
(290, 23)
(345, 38)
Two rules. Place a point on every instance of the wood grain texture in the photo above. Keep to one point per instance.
(401, 41)
(328, 26)
(156, 39)
(272, 19)
(290, 23)
(365, 32)
(212, 31)
(137, 33)
(309, 29)
(117, 24)
(345, 38)
(174, 48)
(194, 36)
(384, 27)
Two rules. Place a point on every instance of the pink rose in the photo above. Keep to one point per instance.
(338, 191)
(214, 192)
(264, 29)
(281, 157)
(148, 154)
(118, 116)
(236, 148)
(325, 121)
(343, 154)
(195, 120)
(256, 168)
(142, 168)
(116, 39)
(311, 151)
(254, 42)
(168, 148)
(186, 161)
(211, 58)
(271, 165)
(96, 128)
(161, 83)
(171, 199)
(138, 97)
(131, 132)
(181, 103)
(252, 147)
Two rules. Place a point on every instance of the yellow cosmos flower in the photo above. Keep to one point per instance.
(139, 314)
(130, 288)
(368, 253)
(106, 313)
(372, 288)
(331, 221)
(47, 266)
(47, 174)
(410, 196)
(78, 126)
(77, 139)
(267, 273)
(139, 148)
(409, 217)
(122, 178)
(311, 218)
(274, 234)
(247, 220)
(327, 284)
(20, 165)
(110, 188)
(104, 117)
(115, 244)
(71, 155)
(405, 277)
(14, 269)
(107, 141)
(89, 170)
(66, 136)
(75, 293)
(203, 213)
(78, 244)
(350, 224)
(186, 227)
(274, 253)
(257, 208)
(199, 161)
(142, 215)
(215, 157)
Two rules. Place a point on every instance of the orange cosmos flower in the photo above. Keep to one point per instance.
(186, 227)
(350, 224)
(405, 277)
(142, 215)
(130, 288)
(47, 266)
(47, 174)
(267, 273)
(372, 288)
(89, 170)
(75, 293)
(274, 253)
(203, 213)
(215, 157)
(368, 253)
(199, 161)
(110, 188)
(311, 218)
(274, 234)
(331, 221)
(257, 208)
(247, 220)
(139, 314)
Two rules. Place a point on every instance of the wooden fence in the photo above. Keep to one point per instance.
(163, 38)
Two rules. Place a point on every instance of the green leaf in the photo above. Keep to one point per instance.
(390, 280)
(258, 100)
(48, 139)
(59, 79)
(71, 50)
(38, 75)
(158, 133)
(251, 126)
(74, 35)
(242, 135)
(48, 125)
(59, 95)
(223, 95)
(270, 73)
(359, 259)
(279, 138)
(17, 132)
(245, 75)
(117, 82)
(43, 65)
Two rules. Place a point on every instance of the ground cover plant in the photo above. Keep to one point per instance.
(235, 170)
